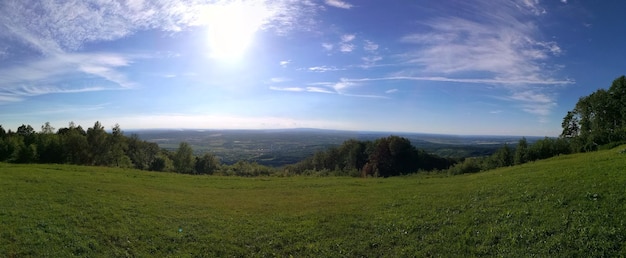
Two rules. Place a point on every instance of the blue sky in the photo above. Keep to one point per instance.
(453, 67)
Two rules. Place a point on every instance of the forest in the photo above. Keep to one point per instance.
(597, 121)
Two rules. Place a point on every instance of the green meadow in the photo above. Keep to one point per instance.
(571, 206)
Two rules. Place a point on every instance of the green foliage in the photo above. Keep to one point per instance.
(505, 156)
(183, 159)
(161, 163)
(521, 152)
(246, 169)
(141, 153)
(388, 156)
(469, 165)
(75, 146)
(566, 206)
(207, 164)
(598, 118)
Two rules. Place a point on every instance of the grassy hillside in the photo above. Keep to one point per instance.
(566, 206)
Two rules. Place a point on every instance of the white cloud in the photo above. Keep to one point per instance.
(54, 30)
(328, 46)
(370, 46)
(346, 48)
(323, 69)
(345, 45)
(302, 89)
(501, 43)
(458, 45)
(338, 4)
(564, 1)
(284, 63)
(342, 85)
(45, 76)
(532, 6)
(279, 79)
(370, 61)
(391, 91)
(318, 90)
(294, 89)
(347, 38)
(53, 26)
(465, 80)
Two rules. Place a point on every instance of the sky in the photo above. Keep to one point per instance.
(461, 67)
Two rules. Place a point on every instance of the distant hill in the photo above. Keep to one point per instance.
(566, 206)
(287, 146)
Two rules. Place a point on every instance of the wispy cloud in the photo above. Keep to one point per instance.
(464, 80)
(59, 110)
(532, 6)
(391, 91)
(53, 26)
(318, 90)
(369, 61)
(285, 63)
(302, 89)
(324, 68)
(538, 103)
(328, 46)
(370, 46)
(501, 43)
(346, 43)
(57, 31)
(342, 87)
(338, 4)
(293, 89)
(279, 79)
(45, 76)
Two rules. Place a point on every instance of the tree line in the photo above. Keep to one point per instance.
(523, 152)
(384, 157)
(597, 121)
(97, 147)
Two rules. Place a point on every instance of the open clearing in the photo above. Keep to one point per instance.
(570, 205)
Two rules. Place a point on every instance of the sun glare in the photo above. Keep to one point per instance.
(232, 27)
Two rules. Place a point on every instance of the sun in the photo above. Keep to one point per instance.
(232, 27)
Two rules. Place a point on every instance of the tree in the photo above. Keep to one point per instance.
(598, 118)
(183, 159)
(118, 148)
(28, 134)
(161, 163)
(141, 153)
(99, 145)
(392, 156)
(49, 148)
(74, 145)
(47, 128)
(4, 149)
(25, 153)
(521, 152)
(207, 164)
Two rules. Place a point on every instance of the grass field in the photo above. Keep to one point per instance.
(566, 206)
